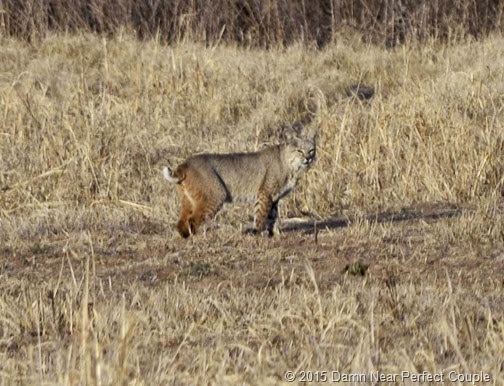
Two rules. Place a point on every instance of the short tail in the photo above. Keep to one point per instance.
(173, 177)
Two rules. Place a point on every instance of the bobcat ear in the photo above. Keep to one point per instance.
(287, 133)
(306, 132)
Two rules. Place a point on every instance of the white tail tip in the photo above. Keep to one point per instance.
(167, 173)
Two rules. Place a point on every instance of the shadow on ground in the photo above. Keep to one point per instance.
(427, 212)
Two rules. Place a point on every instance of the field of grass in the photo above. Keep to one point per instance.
(391, 256)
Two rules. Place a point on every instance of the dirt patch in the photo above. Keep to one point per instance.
(405, 253)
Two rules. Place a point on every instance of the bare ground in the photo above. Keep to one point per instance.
(249, 261)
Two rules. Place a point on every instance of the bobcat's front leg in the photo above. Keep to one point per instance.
(263, 208)
(272, 220)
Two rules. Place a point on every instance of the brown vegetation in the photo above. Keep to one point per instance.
(258, 22)
(391, 259)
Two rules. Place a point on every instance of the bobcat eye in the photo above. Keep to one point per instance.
(300, 152)
(312, 151)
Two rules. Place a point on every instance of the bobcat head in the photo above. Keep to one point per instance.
(300, 145)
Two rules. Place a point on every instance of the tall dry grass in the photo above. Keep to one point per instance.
(96, 286)
(88, 123)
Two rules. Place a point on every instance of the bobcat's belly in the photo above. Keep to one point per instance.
(244, 199)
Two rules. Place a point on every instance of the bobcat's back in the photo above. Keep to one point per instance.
(242, 174)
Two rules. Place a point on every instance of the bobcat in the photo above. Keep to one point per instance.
(206, 181)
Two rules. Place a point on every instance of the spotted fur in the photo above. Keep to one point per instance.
(206, 181)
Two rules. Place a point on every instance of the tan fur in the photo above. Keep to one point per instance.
(206, 181)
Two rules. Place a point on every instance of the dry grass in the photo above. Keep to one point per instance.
(403, 272)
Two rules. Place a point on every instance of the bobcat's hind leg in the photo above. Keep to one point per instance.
(206, 207)
(186, 213)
